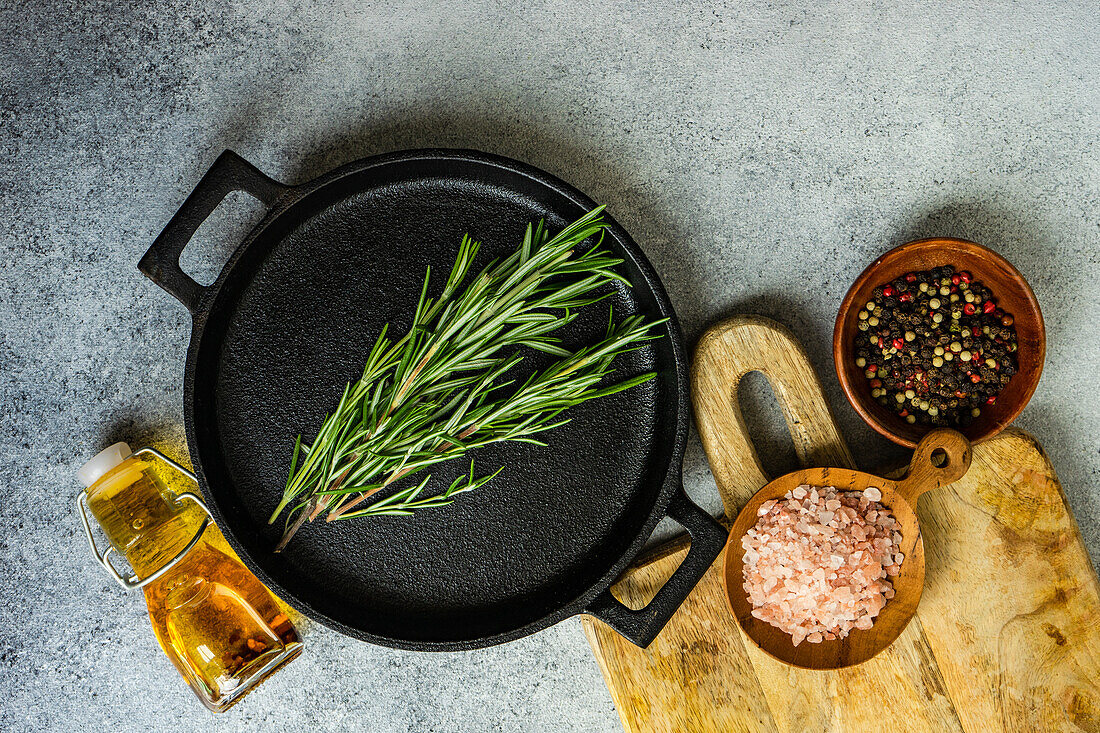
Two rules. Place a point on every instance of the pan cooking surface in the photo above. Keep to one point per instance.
(294, 322)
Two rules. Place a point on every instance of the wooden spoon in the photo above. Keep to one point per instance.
(941, 458)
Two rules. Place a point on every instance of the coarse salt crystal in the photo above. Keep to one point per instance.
(815, 567)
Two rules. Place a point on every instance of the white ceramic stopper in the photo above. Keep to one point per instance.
(103, 462)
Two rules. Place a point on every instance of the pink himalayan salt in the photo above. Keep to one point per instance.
(817, 561)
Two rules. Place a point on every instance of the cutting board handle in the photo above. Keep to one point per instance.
(724, 355)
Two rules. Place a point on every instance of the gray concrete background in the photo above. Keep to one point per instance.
(761, 153)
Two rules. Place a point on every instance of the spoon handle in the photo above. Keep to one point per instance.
(942, 457)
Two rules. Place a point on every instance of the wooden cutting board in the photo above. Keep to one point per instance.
(1007, 635)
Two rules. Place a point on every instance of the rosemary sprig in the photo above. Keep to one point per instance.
(440, 391)
(406, 501)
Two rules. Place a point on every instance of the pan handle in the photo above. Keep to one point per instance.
(230, 172)
(641, 626)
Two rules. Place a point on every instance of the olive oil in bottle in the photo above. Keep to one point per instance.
(222, 629)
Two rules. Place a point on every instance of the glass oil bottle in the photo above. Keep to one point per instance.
(222, 629)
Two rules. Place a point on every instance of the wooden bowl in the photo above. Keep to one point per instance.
(1011, 293)
(941, 458)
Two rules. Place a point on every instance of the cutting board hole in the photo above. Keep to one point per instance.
(219, 235)
(766, 426)
(938, 458)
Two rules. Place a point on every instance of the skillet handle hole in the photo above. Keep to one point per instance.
(637, 586)
(216, 238)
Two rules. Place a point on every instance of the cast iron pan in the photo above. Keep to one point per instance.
(288, 323)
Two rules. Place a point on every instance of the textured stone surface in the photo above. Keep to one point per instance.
(761, 153)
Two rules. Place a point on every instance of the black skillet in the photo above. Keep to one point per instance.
(287, 324)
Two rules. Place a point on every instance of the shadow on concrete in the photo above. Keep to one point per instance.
(139, 429)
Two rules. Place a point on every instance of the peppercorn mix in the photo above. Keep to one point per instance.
(935, 348)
